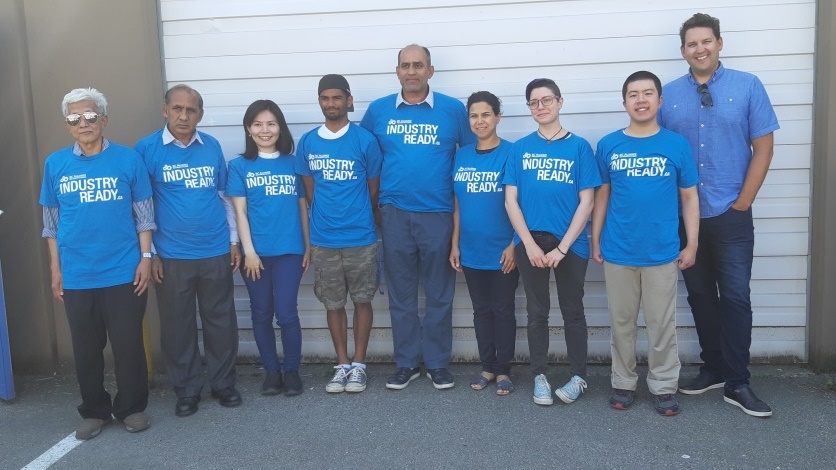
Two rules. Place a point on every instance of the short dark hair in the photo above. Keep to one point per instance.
(485, 97)
(542, 83)
(285, 143)
(426, 51)
(191, 90)
(700, 20)
(641, 75)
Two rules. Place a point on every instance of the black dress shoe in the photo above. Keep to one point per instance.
(227, 396)
(292, 383)
(186, 406)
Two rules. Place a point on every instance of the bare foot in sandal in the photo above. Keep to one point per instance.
(504, 386)
(482, 380)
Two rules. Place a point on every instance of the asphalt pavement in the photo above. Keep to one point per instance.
(420, 427)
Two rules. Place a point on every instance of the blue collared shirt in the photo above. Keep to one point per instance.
(721, 135)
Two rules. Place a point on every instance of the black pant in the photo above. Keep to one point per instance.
(492, 294)
(94, 315)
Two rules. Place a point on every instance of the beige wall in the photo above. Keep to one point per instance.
(46, 49)
(822, 330)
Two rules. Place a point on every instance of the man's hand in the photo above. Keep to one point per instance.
(455, 258)
(142, 276)
(234, 257)
(157, 270)
(58, 284)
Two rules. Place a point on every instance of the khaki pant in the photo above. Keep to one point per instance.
(653, 287)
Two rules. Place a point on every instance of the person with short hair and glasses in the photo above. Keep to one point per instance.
(550, 179)
(728, 119)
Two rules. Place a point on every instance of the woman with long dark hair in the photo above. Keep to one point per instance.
(272, 218)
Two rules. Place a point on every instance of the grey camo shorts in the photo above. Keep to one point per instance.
(341, 271)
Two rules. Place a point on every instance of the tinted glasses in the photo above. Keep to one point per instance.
(705, 95)
(89, 116)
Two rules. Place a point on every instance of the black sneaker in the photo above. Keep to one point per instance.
(703, 382)
(292, 383)
(442, 378)
(401, 378)
(745, 399)
(622, 399)
(666, 404)
(273, 383)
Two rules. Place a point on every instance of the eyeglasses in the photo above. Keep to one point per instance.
(75, 118)
(545, 101)
(705, 95)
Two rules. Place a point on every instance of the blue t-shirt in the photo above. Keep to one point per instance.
(721, 135)
(273, 192)
(549, 177)
(97, 241)
(418, 143)
(484, 228)
(191, 220)
(341, 210)
(644, 174)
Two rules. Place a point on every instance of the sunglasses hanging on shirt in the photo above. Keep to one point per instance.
(705, 95)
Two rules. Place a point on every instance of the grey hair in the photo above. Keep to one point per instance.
(85, 94)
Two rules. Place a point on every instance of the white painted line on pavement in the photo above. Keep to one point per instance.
(52, 455)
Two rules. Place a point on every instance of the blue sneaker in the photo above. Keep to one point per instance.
(338, 381)
(542, 391)
(356, 380)
(572, 390)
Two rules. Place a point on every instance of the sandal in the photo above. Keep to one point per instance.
(504, 387)
(480, 382)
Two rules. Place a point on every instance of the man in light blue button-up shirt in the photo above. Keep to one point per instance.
(728, 119)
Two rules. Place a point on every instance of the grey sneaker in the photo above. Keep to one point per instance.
(542, 391)
(572, 390)
(89, 428)
(136, 422)
(666, 404)
(356, 380)
(338, 381)
(622, 399)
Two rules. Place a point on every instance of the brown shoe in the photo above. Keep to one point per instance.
(136, 422)
(90, 428)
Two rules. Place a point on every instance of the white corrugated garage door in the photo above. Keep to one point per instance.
(236, 52)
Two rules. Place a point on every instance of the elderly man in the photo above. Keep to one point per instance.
(98, 218)
(728, 119)
(418, 131)
(195, 241)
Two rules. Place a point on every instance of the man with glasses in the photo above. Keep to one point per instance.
(728, 119)
(418, 131)
(197, 252)
(98, 218)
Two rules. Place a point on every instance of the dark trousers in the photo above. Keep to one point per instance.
(275, 294)
(719, 295)
(569, 276)
(94, 315)
(416, 245)
(209, 282)
(492, 294)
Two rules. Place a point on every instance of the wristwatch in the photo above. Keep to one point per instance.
(148, 254)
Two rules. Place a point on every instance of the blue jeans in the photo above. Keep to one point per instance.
(719, 294)
(416, 245)
(275, 293)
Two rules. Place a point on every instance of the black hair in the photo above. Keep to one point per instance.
(191, 90)
(542, 83)
(485, 97)
(700, 20)
(426, 51)
(641, 75)
(285, 143)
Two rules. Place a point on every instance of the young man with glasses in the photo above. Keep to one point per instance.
(98, 219)
(728, 119)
